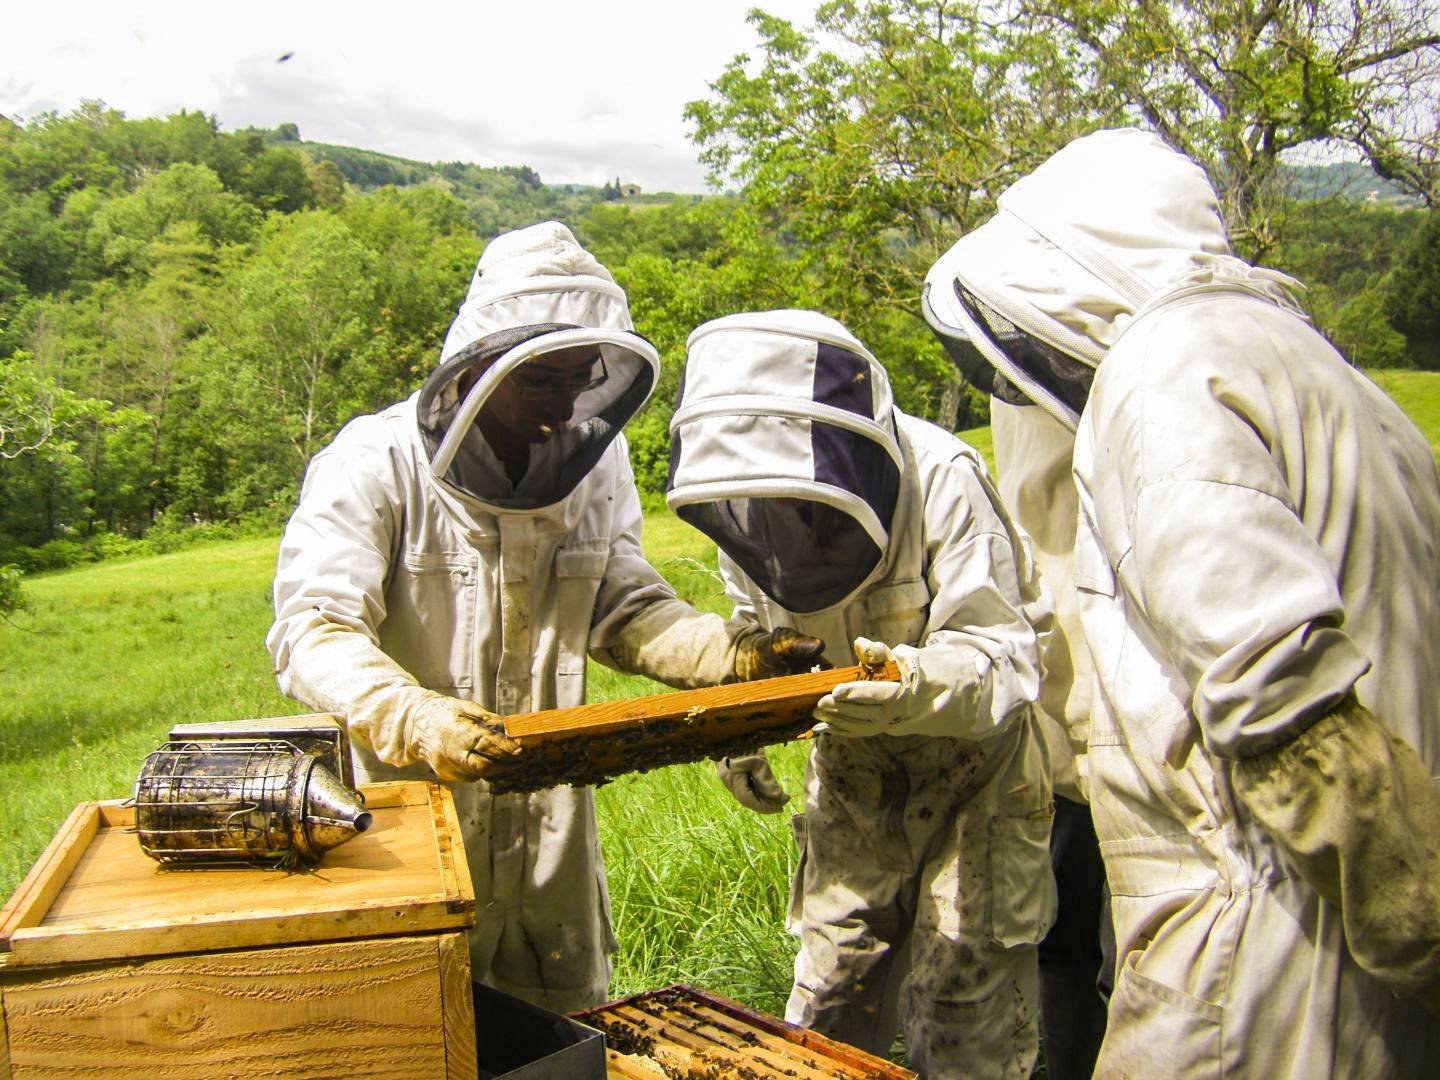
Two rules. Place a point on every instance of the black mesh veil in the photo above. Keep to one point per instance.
(1065, 377)
(550, 423)
(803, 554)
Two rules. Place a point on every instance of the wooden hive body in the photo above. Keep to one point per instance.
(114, 966)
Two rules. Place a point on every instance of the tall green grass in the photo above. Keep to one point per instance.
(1418, 393)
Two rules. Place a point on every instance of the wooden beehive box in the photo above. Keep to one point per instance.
(589, 744)
(683, 1032)
(114, 966)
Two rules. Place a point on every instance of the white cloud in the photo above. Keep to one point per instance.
(581, 92)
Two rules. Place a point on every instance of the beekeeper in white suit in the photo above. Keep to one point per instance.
(928, 800)
(454, 558)
(1257, 559)
(1032, 452)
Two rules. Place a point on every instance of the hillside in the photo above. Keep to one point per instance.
(1351, 181)
(495, 197)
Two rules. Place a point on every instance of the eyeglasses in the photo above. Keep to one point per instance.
(533, 386)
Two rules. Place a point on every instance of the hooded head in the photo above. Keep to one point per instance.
(1041, 291)
(783, 451)
(539, 372)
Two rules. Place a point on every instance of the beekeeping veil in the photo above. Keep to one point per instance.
(1037, 295)
(783, 451)
(542, 345)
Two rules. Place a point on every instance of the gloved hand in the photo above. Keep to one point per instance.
(1355, 811)
(459, 739)
(911, 706)
(766, 654)
(752, 783)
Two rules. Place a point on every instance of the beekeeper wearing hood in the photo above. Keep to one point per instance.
(1256, 560)
(455, 557)
(924, 881)
(1032, 452)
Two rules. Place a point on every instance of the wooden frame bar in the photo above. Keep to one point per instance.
(590, 744)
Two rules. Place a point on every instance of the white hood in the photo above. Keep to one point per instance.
(781, 408)
(1105, 227)
(536, 292)
(538, 274)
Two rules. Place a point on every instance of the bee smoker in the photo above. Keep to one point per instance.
(258, 792)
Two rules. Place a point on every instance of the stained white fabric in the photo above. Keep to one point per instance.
(1033, 454)
(1259, 536)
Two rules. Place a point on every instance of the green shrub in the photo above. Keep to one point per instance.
(12, 598)
(108, 545)
(52, 555)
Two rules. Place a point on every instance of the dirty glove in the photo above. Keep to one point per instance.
(459, 739)
(1357, 813)
(752, 783)
(766, 654)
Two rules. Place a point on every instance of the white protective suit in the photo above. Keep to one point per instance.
(1259, 538)
(400, 574)
(1033, 454)
(927, 845)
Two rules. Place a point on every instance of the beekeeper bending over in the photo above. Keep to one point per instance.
(928, 801)
(1257, 560)
(456, 556)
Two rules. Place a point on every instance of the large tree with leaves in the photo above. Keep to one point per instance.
(870, 141)
(877, 136)
(1235, 84)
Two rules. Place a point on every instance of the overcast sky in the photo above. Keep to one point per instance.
(581, 92)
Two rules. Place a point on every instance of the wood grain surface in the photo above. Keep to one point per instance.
(354, 1009)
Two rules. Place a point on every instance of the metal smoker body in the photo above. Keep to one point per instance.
(232, 799)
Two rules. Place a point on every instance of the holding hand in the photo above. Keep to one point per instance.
(768, 654)
(908, 707)
(459, 739)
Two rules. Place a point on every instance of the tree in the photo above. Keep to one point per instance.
(295, 326)
(124, 228)
(872, 142)
(277, 179)
(27, 408)
(1414, 294)
(1235, 84)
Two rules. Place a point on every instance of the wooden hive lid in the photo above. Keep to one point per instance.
(94, 895)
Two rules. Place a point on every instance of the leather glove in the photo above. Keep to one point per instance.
(752, 783)
(459, 739)
(766, 654)
(1357, 814)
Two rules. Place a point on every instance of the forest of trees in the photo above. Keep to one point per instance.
(188, 314)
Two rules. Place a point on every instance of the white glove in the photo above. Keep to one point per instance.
(458, 739)
(752, 783)
(920, 703)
